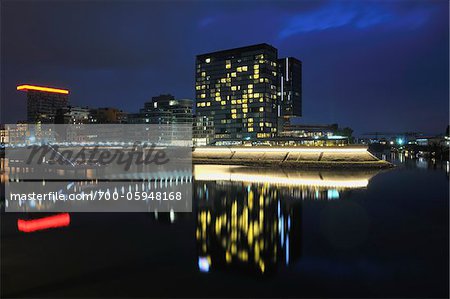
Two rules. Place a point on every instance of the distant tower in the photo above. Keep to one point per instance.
(44, 102)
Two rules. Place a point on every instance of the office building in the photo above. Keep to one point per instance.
(108, 115)
(237, 90)
(290, 90)
(73, 115)
(43, 102)
(164, 109)
(248, 93)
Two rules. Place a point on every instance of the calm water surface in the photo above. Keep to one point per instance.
(252, 232)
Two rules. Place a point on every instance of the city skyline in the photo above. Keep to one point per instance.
(356, 58)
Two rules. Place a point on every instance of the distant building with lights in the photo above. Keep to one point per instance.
(107, 115)
(164, 109)
(240, 91)
(43, 102)
(73, 115)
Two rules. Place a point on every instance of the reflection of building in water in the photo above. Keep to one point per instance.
(304, 184)
(247, 227)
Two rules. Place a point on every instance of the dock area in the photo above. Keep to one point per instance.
(290, 157)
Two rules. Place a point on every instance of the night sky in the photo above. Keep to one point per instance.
(373, 66)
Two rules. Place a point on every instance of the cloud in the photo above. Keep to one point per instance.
(353, 14)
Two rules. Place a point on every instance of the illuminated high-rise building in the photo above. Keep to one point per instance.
(248, 92)
(290, 90)
(44, 102)
(237, 90)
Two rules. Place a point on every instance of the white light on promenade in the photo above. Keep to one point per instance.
(213, 150)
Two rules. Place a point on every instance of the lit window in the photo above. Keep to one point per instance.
(256, 66)
(228, 64)
(239, 69)
(203, 74)
(250, 86)
(203, 95)
(233, 75)
(256, 76)
(261, 109)
(208, 60)
(208, 104)
(233, 88)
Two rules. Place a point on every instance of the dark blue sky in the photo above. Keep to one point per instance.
(370, 65)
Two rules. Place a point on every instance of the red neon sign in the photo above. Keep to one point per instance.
(28, 226)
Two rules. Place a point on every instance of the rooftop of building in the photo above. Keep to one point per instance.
(239, 50)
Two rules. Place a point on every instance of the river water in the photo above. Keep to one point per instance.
(252, 232)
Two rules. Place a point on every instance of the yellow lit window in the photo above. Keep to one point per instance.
(244, 68)
(223, 80)
(245, 110)
(250, 120)
(261, 124)
(228, 64)
(256, 66)
(223, 103)
(218, 99)
(233, 111)
(233, 116)
(198, 87)
(250, 95)
(250, 86)
(208, 104)
(256, 72)
(233, 88)
(208, 60)
(203, 95)
(244, 106)
(239, 69)
(261, 109)
(217, 94)
(203, 104)
(203, 74)
(256, 76)
(250, 129)
(233, 75)
(239, 101)
(256, 95)
(233, 102)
